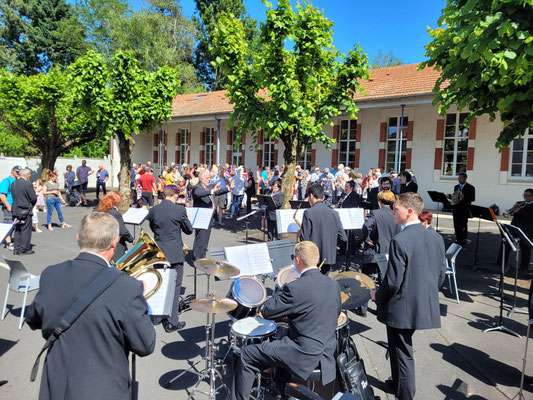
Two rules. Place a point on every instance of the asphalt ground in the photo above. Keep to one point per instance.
(455, 362)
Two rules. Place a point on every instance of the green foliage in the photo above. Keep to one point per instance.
(209, 12)
(484, 50)
(383, 60)
(41, 109)
(13, 145)
(36, 35)
(97, 148)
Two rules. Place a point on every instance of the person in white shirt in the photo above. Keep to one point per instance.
(239, 182)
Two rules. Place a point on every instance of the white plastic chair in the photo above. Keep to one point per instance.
(21, 281)
(451, 255)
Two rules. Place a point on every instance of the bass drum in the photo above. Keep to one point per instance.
(249, 294)
(285, 275)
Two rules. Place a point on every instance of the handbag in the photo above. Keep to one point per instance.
(352, 372)
(98, 286)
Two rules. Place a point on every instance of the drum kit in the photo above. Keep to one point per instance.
(245, 297)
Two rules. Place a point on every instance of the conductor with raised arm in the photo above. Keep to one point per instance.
(408, 298)
(322, 226)
(203, 197)
(167, 221)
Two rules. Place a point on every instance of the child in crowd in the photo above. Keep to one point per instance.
(38, 187)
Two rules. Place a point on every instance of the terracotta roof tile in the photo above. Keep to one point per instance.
(386, 83)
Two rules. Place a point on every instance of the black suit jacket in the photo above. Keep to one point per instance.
(90, 360)
(167, 221)
(278, 198)
(380, 228)
(24, 198)
(469, 192)
(322, 226)
(411, 186)
(408, 297)
(372, 198)
(201, 197)
(124, 234)
(523, 219)
(353, 200)
(312, 304)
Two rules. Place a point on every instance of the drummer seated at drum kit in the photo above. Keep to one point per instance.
(312, 305)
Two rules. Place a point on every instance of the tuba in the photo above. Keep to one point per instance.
(138, 263)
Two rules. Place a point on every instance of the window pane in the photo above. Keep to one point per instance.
(353, 129)
(390, 158)
(517, 157)
(529, 170)
(529, 157)
(450, 119)
(518, 144)
(391, 146)
(352, 147)
(463, 131)
(449, 145)
(462, 144)
(450, 131)
(447, 165)
(462, 117)
(530, 144)
(344, 147)
(344, 129)
(516, 170)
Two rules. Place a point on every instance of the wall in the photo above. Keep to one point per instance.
(34, 164)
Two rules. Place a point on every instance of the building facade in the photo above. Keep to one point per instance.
(436, 148)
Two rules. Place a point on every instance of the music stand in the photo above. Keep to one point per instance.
(506, 238)
(439, 197)
(245, 217)
(351, 219)
(296, 204)
(480, 213)
(520, 239)
(135, 217)
(262, 201)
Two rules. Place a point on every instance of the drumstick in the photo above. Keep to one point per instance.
(321, 264)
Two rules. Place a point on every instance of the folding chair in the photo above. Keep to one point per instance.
(20, 280)
(451, 255)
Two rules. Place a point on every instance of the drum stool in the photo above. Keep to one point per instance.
(314, 383)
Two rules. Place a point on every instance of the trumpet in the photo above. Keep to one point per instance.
(453, 198)
(510, 212)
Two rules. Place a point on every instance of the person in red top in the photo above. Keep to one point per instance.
(148, 187)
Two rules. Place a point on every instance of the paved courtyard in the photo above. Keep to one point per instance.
(457, 361)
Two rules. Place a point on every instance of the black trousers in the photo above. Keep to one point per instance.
(102, 185)
(254, 359)
(460, 224)
(248, 203)
(272, 230)
(402, 363)
(22, 236)
(201, 242)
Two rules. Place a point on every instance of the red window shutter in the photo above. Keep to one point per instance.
(470, 160)
(504, 163)
(188, 138)
(313, 158)
(438, 158)
(334, 156)
(259, 158)
(472, 130)
(177, 157)
(156, 157)
(243, 152)
(165, 138)
(230, 137)
(260, 137)
(440, 130)
(156, 139)
(382, 134)
(188, 156)
(178, 138)
(202, 156)
(408, 152)
(164, 157)
(228, 156)
(357, 157)
(358, 133)
(336, 130)
(211, 162)
(243, 139)
(381, 158)
(202, 138)
(410, 128)
(276, 156)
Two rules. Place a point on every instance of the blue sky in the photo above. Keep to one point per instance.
(387, 25)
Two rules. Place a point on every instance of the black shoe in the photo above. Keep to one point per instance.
(389, 386)
(169, 328)
(25, 253)
(360, 312)
(3, 382)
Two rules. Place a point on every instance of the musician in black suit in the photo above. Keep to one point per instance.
(203, 197)
(322, 226)
(523, 219)
(408, 298)
(385, 183)
(24, 198)
(351, 198)
(407, 184)
(277, 198)
(167, 221)
(312, 304)
(461, 210)
(378, 231)
(90, 359)
(109, 205)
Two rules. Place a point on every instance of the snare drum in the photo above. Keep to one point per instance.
(249, 294)
(251, 330)
(285, 275)
(342, 333)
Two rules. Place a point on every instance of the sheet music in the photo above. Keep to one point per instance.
(253, 259)
(5, 229)
(135, 216)
(160, 303)
(200, 217)
(351, 218)
(285, 220)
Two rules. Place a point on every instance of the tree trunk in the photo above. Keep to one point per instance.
(48, 162)
(125, 147)
(290, 156)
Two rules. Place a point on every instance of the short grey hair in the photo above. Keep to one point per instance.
(25, 171)
(97, 232)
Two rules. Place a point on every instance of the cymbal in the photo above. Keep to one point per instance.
(353, 293)
(213, 305)
(217, 268)
(365, 280)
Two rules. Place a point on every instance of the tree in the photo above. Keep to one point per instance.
(41, 109)
(290, 93)
(383, 60)
(14, 145)
(36, 35)
(209, 12)
(484, 50)
(124, 101)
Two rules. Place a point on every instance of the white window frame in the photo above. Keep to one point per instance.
(184, 145)
(351, 137)
(305, 162)
(527, 140)
(400, 147)
(455, 138)
(268, 155)
(236, 152)
(210, 136)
